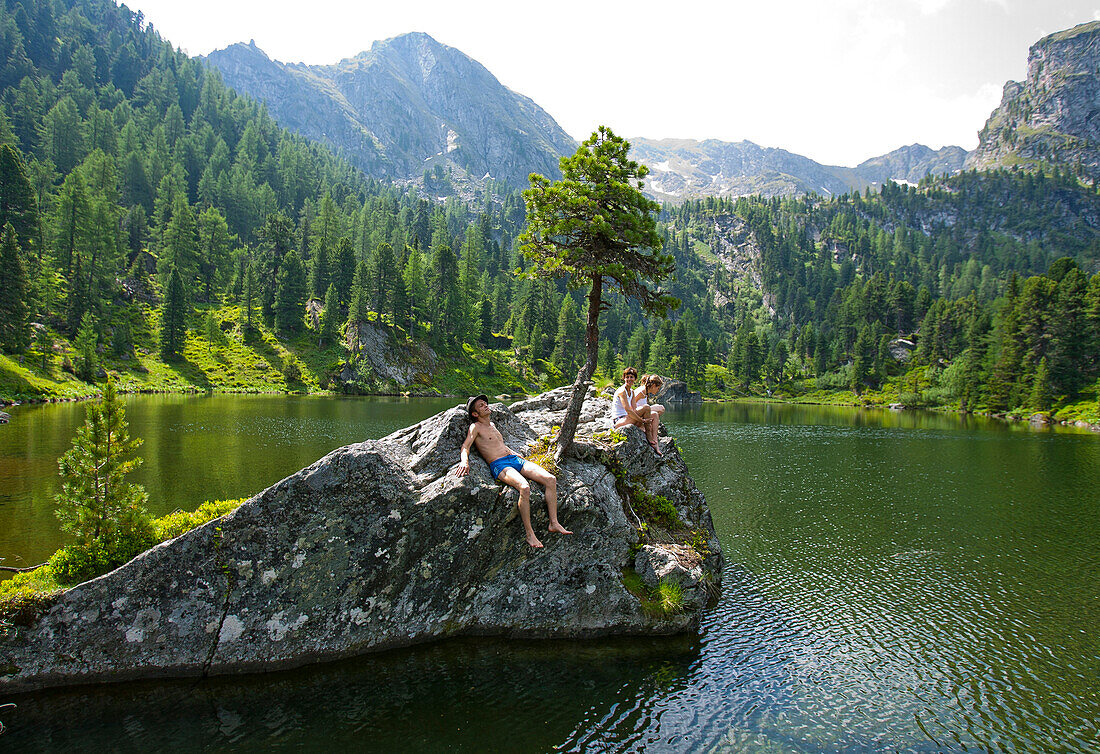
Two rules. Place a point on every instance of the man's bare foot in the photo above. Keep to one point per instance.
(559, 529)
(656, 449)
(533, 541)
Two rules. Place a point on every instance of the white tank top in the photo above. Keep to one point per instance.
(618, 410)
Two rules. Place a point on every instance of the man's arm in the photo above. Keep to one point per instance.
(464, 465)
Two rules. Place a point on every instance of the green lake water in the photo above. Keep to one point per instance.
(894, 582)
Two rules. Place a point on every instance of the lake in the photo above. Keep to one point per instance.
(909, 581)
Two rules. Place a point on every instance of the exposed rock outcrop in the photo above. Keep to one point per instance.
(1052, 116)
(384, 362)
(379, 545)
(675, 391)
(902, 349)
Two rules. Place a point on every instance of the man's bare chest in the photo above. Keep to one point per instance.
(490, 435)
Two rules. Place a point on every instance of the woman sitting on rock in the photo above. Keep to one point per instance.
(646, 396)
(624, 412)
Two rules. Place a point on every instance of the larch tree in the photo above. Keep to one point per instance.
(596, 227)
(13, 294)
(173, 318)
(18, 204)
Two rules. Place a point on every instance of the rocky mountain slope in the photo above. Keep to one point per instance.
(406, 107)
(684, 168)
(415, 110)
(1054, 115)
(911, 163)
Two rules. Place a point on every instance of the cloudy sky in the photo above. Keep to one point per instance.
(836, 80)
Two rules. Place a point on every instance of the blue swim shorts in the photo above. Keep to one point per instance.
(506, 462)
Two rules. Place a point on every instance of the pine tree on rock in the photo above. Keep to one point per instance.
(320, 274)
(344, 271)
(596, 225)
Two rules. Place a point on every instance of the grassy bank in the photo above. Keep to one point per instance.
(26, 589)
(217, 357)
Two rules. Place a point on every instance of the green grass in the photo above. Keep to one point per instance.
(28, 381)
(24, 588)
(217, 358)
(664, 601)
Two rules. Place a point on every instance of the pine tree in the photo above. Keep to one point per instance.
(290, 296)
(214, 243)
(569, 343)
(344, 271)
(320, 274)
(18, 205)
(330, 319)
(96, 504)
(416, 289)
(596, 224)
(179, 249)
(122, 339)
(401, 305)
(173, 317)
(248, 301)
(681, 350)
(13, 294)
(863, 359)
(1040, 398)
(359, 310)
(87, 339)
(469, 279)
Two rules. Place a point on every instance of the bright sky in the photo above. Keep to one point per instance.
(838, 81)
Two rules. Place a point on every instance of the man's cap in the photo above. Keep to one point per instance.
(470, 404)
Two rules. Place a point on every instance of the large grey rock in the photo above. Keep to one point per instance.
(902, 349)
(376, 545)
(675, 391)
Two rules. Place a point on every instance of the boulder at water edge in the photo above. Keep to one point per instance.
(380, 545)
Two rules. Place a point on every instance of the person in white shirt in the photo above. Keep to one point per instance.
(625, 412)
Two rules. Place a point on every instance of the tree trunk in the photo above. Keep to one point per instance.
(580, 386)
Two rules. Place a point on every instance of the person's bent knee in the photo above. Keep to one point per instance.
(524, 488)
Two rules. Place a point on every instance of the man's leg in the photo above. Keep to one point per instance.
(532, 470)
(513, 478)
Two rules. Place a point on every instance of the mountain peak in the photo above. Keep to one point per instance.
(407, 107)
(1050, 116)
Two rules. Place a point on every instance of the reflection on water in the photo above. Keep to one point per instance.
(195, 448)
(460, 695)
(912, 582)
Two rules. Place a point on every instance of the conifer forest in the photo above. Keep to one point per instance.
(161, 228)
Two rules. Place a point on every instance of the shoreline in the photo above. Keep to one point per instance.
(1046, 422)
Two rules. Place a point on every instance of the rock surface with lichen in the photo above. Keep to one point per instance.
(379, 544)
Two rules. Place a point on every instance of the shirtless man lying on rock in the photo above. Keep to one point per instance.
(505, 466)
